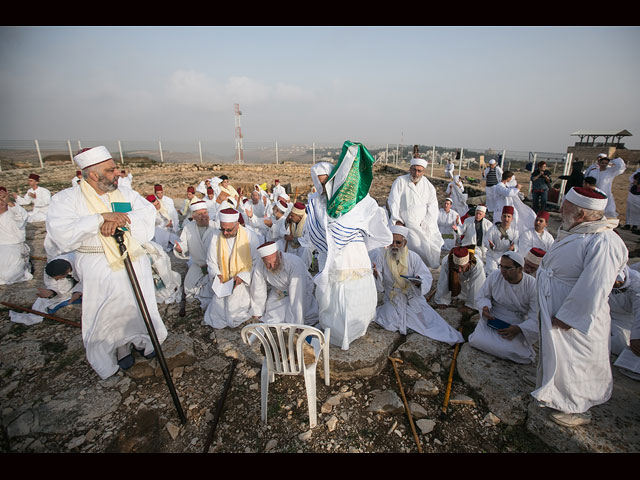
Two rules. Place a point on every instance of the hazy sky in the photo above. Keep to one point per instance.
(514, 88)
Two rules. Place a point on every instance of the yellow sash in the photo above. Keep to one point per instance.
(240, 257)
(297, 233)
(398, 267)
(109, 244)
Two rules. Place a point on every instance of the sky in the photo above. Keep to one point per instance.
(515, 88)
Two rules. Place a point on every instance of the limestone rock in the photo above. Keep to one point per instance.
(424, 352)
(425, 387)
(426, 425)
(386, 402)
(417, 411)
(331, 423)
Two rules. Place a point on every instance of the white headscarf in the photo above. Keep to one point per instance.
(322, 168)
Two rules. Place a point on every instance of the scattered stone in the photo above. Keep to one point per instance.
(491, 419)
(386, 402)
(76, 442)
(393, 427)
(426, 425)
(305, 436)
(174, 430)
(417, 411)
(462, 400)
(331, 423)
(271, 444)
(425, 387)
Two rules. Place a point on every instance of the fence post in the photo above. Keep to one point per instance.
(397, 154)
(314, 153)
(200, 148)
(460, 164)
(70, 152)
(567, 164)
(79, 145)
(39, 155)
(160, 146)
(276, 153)
(504, 155)
(121, 156)
(433, 158)
(386, 157)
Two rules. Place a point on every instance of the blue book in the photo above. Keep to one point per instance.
(64, 304)
(498, 324)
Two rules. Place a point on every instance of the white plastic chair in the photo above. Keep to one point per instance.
(285, 358)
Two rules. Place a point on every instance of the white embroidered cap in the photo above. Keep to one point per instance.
(267, 249)
(92, 156)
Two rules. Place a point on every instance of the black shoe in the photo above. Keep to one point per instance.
(151, 355)
(626, 227)
(635, 230)
(127, 362)
(141, 352)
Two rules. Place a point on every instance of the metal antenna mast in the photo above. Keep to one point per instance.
(239, 148)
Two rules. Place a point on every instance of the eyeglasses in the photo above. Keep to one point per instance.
(227, 230)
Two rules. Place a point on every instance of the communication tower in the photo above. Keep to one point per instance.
(239, 149)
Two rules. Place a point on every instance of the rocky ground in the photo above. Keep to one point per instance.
(52, 401)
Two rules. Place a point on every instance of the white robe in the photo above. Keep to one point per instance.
(471, 282)
(632, 214)
(500, 246)
(234, 309)
(164, 235)
(410, 310)
(624, 304)
(40, 204)
(604, 180)
(64, 288)
(14, 251)
(445, 223)
(111, 317)
(532, 239)
(515, 304)
(195, 249)
(459, 198)
(173, 213)
(166, 281)
(467, 235)
(490, 196)
(416, 206)
(503, 195)
(574, 371)
(125, 181)
(285, 296)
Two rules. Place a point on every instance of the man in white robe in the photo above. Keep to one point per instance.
(15, 265)
(282, 288)
(624, 303)
(504, 193)
(295, 230)
(169, 205)
(448, 223)
(125, 180)
(509, 295)
(230, 261)
(186, 211)
(278, 228)
(165, 280)
(404, 304)
(574, 281)
(37, 196)
(461, 277)
(346, 223)
(277, 191)
(413, 203)
(604, 173)
(81, 220)
(209, 197)
(492, 175)
(473, 232)
(226, 187)
(455, 191)
(500, 238)
(164, 234)
(259, 211)
(75, 181)
(536, 237)
(193, 246)
(62, 287)
(203, 186)
(532, 261)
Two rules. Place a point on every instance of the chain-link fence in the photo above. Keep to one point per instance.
(21, 154)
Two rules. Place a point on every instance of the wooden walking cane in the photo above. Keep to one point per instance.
(406, 405)
(183, 300)
(450, 381)
(41, 314)
(119, 236)
(223, 396)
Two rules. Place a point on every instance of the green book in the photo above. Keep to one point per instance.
(122, 207)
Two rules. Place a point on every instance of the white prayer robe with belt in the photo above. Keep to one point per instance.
(446, 220)
(286, 295)
(604, 180)
(194, 242)
(14, 251)
(624, 303)
(574, 280)
(500, 246)
(532, 239)
(416, 206)
(234, 309)
(63, 288)
(515, 304)
(40, 204)
(111, 317)
(470, 282)
(467, 235)
(408, 309)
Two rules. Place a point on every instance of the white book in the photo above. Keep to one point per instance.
(222, 289)
(628, 360)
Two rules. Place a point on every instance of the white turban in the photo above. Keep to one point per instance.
(226, 217)
(419, 161)
(515, 256)
(481, 208)
(92, 156)
(267, 249)
(198, 206)
(400, 230)
(582, 198)
(492, 161)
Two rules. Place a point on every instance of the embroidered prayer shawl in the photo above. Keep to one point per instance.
(240, 257)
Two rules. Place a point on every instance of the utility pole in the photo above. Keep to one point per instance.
(239, 148)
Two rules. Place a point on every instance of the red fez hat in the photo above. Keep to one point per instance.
(587, 192)
(299, 205)
(276, 180)
(538, 252)
(229, 211)
(157, 188)
(35, 177)
(241, 220)
(209, 190)
(284, 203)
(507, 209)
(4, 189)
(78, 172)
(191, 190)
(543, 214)
(151, 198)
(460, 252)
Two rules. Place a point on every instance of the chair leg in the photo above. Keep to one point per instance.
(264, 390)
(310, 385)
(325, 361)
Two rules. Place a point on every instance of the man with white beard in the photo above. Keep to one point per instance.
(193, 246)
(169, 206)
(282, 288)
(461, 277)
(405, 280)
(604, 173)
(473, 232)
(231, 258)
(500, 238)
(508, 295)
(574, 281)
(448, 223)
(413, 203)
(536, 237)
(15, 265)
(258, 205)
(39, 196)
(81, 220)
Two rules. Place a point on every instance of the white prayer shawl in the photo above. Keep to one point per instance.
(500, 246)
(604, 180)
(63, 288)
(445, 222)
(532, 239)
(490, 196)
(314, 234)
(416, 206)
(234, 309)
(515, 304)
(202, 188)
(467, 235)
(110, 314)
(574, 280)
(345, 287)
(458, 197)
(471, 282)
(624, 304)
(125, 181)
(40, 204)
(166, 281)
(410, 310)
(297, 248)
(284, 296)
(173, 213)
(14, 251)
(195, 249)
